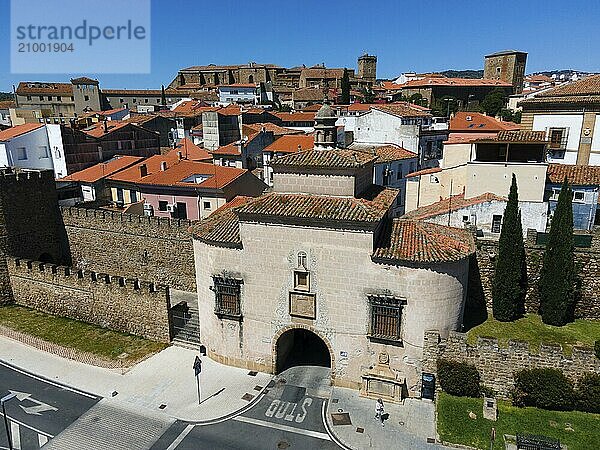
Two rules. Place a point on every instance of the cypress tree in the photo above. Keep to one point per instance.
(558, 275)
(508, 285)
(345, 85)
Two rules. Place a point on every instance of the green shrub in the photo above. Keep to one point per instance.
(458, 378)
(597, 348)
(588, 393)
(543, 388)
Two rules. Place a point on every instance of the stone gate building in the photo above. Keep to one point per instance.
(317, 272)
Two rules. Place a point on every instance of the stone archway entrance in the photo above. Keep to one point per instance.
(300, 347)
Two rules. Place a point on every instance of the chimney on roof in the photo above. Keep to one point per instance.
(105, 126)
(179, 155)
(163, 166)
(143, 170)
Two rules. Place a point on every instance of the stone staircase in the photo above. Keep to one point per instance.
(186, 321)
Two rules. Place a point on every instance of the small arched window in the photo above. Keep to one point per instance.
(302, 260)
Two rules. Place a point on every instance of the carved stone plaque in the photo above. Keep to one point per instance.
(303, 305)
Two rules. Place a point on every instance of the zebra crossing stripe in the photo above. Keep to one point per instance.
(15, 434)
(42, 439)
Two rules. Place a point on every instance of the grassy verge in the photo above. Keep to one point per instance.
(531, 329)
(78, 335)
(455, 426)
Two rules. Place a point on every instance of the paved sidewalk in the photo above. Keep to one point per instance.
(408, 425)
(166, 378)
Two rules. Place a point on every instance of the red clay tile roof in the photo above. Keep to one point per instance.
(325, 159)
(218, 176)
(230, 110)
(35, 87)
(403, 109)
(577, 175)
(423, 242)
(18, 130)
(97, 129)
(467, 138)
(587, 86)
(289, 144)
(423, 172)
(193, 106)
(312, 108)
(84, 80)
(361, 106)
(476, 122)
(6, 104)
(388, 153)
(153, 164)
(308, 94)
(453, 203)
(222, 226)
(295, 116)
(103, 170)
(239, 85)
(268, 126)
(232, 149)
(191, 151)
(322, 72)
(530, 137)
(313, 209)
(391, 86)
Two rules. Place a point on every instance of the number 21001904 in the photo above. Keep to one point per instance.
(42, 47)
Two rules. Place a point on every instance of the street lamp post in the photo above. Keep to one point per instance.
(3, 400)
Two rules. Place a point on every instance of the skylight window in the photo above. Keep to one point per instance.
(196, 178)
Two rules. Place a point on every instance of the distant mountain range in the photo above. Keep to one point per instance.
(463, 73)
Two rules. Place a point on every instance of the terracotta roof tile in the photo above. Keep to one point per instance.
(577, 175)
(388, 153)
(295, 116)
(291, 144)
(370, 209)
(423, 242)
(477, 122)
(322, 72)
(403, 109)
(535, 137)
(103, 170)
(222, 226)
(453, 203)
(217, 177)
(34, 87)
(18, 130)
(98, 129)
(587, 86)
(338, 158)
(268, 126)
(423, 172)
(6, 104)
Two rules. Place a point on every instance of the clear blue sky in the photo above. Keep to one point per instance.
(405, 35)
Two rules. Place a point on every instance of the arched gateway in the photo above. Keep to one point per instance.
(299, 346)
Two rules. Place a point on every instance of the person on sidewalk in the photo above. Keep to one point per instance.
(379, 410)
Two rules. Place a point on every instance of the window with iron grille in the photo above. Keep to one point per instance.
(558, 138)
(386, 318)
(227, 297)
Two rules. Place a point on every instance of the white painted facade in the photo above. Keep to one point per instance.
(573, 122)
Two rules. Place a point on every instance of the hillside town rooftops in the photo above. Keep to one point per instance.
(389, 153)
(325, 159)
(295, 116)
(443, 81)
(525, 137)
(453, 203)
(423, 242)
(584, 91)
(269, 127)
(18, 130)
(576, 175)
(194, 174)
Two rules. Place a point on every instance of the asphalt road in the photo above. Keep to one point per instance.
(42, 408)
(287, 416)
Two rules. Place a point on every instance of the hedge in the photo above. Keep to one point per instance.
(588, 393)
(543, 388)
(458, 378)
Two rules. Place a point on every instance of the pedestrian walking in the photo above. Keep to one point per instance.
(379, 410)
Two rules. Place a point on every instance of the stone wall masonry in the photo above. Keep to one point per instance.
(126, 305)
(586, 259)
(497, 365)
(149, 248)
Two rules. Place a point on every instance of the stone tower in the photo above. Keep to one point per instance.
(325, 129)
(507, 66)
(367, 67)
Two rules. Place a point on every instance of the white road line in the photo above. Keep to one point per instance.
(263, 423)
(180, 438)
(15, 434)
(42, 440)
(45, 380)
(28, 426)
